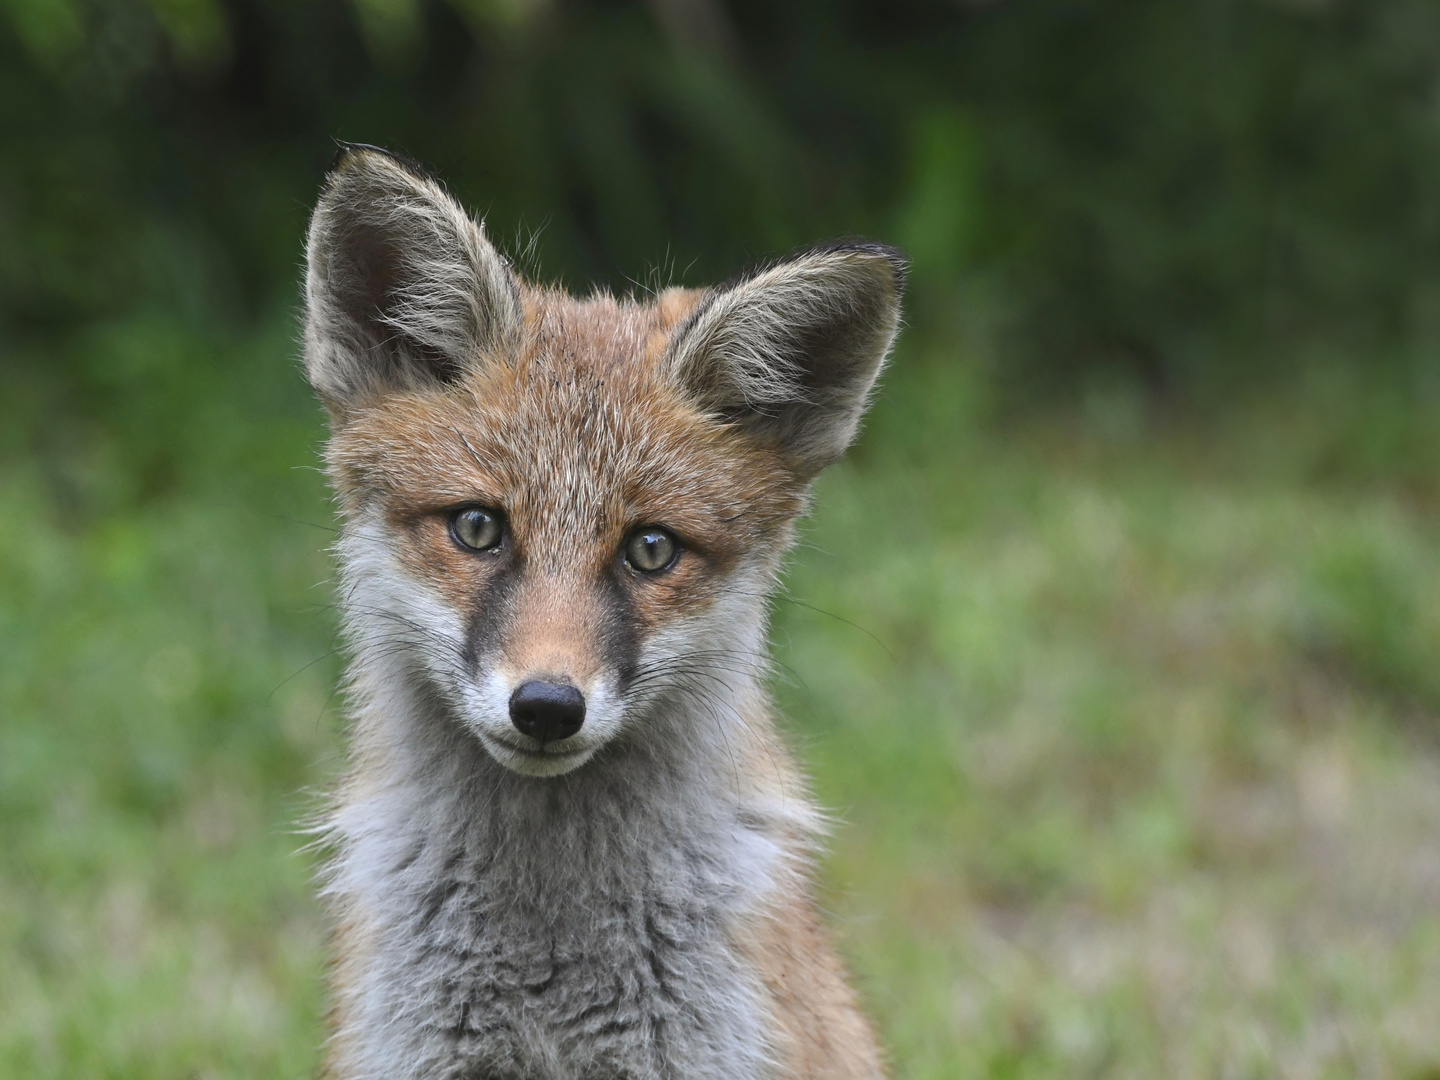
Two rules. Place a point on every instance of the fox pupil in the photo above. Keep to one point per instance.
(475, 528)
(650, 550)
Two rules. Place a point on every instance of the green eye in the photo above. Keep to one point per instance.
(476, 528)
(650, 549)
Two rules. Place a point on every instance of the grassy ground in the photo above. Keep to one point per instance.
(1130, 722)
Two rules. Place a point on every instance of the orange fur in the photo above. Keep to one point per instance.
(823, 1035)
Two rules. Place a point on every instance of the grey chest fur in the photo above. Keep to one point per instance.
(562, 934)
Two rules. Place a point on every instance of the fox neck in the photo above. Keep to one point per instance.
(424, 785)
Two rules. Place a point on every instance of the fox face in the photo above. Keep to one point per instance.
(563, 515)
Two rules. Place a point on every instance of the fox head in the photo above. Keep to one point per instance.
(563, 517)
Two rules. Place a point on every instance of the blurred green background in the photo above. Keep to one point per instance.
(1115, 644)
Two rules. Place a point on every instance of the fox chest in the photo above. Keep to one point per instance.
(478, 978)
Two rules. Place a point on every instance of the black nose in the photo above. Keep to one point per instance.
(547, 711)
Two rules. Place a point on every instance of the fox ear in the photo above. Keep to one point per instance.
(791, 352)
(402, 290)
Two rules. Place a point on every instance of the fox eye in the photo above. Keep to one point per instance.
(476, 528)
(650, 549)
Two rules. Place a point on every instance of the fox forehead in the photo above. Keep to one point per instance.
(578, 438)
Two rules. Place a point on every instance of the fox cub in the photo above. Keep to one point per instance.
(570, 843)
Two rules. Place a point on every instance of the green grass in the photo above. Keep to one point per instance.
(1128, 719)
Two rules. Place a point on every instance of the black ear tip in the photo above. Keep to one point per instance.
(347, 153)
(899, 263)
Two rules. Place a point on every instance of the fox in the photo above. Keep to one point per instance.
(570, 841)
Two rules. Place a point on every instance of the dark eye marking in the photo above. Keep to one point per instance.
(651, 549)
(477, 528)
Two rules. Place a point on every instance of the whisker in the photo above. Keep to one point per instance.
(307, 667)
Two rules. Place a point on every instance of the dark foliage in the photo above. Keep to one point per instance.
(1174, 190)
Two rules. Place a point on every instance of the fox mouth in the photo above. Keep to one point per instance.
(547, 750)
(537, 759)
(535, 748)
